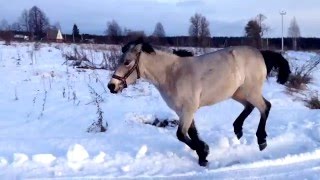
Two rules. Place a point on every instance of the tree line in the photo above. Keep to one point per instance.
(256, 29)
(35, 23)
(32, 22)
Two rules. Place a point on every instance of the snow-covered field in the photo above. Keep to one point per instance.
(46, 108)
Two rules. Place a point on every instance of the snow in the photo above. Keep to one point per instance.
(46, 108)
(142, 152)
(19, 159)
(46, 159)
(77, 153)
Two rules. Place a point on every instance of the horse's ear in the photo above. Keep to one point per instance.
(139, 40)
(125, 48)
(147, 48)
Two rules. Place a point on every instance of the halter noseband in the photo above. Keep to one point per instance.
(134, 67)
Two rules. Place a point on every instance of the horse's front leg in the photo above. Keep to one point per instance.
(186, 126)
(202, 148)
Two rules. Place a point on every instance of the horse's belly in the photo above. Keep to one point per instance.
(217, 93)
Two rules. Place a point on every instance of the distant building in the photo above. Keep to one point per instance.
(21, 37)
(89, 41)
(54, 35)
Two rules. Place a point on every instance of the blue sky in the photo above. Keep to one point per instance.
(226, 17)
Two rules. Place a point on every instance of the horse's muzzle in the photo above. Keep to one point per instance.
(112, 88)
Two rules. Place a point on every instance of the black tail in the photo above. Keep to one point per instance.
(277, 61)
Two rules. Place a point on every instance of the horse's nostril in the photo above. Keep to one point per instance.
(111, 87)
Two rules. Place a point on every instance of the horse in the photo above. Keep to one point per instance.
(188, 83)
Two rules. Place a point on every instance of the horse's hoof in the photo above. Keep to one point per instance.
(262, 146)
(203, 163)
(203, 151)
(239, 134)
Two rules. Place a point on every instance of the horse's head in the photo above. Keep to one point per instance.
(128, 70)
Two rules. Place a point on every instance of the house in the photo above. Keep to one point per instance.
(54, 35)
(89, 41)
(21, 37)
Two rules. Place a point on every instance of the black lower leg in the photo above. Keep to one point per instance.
(201, 148)
(193, 133)
(238, 123)
(261, 132)
(183, 138)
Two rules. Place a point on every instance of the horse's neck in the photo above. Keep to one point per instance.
(156, 68)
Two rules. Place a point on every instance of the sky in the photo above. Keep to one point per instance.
(226, 17)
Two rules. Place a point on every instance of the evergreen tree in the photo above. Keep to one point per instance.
(75, 33)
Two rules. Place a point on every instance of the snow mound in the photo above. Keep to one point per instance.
(142, 152)
(3, 161)
(100, 158)
(46, 159)
(19, 159)
(77, 156)
(77, 153)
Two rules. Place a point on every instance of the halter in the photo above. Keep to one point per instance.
(134, 67)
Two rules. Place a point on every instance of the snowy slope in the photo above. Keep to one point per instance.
(46, 108)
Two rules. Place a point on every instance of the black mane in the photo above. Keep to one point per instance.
(182, 53)
(146, 47)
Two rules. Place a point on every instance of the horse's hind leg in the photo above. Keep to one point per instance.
(202, 148)
(240, 96)
(238, 123)
(261, 132)
(264, 107)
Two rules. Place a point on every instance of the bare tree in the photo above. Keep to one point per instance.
(294, 32)
(159, 30)
(38, 21)
(133, 35)
(5, 32)
(15, 27)
(126, 31)
(260, 19)
(7, 36)
(113, 31)
(199, 28)
(264, 27)
(24, 21)
(4, 25)
(56, 26)
(253, 32)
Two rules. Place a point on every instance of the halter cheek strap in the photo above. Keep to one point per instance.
(134, 67)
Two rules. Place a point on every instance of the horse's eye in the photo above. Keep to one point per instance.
(127, 62)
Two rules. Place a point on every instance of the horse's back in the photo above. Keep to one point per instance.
(241, 54)
(225, 71)
(244, 60)
(250, 60)
(252, 64)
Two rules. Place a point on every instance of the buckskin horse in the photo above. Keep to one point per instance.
(188, 83)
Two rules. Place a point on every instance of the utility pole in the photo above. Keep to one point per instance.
(282, 13)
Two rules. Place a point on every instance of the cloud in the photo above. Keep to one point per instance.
(190, 3)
